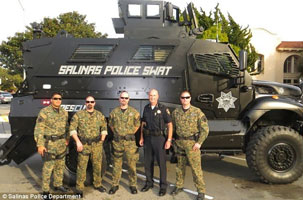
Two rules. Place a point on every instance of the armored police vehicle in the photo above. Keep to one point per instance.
(262, 119)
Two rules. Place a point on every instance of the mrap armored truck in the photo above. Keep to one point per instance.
(262, 119)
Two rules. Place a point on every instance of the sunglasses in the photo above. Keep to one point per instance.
(90, 101)
(124, 98)
(57, 99)
(188, 97)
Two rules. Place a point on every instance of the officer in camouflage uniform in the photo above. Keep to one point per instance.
(51, 137)
(191, 130)
(89, 128)
(124, 121)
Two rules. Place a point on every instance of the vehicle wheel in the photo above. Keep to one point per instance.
(71, 167)
(275, 154)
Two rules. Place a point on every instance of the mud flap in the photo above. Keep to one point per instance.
(17, 148)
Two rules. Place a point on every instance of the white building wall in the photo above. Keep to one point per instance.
(265, 43)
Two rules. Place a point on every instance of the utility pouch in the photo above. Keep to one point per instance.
(146, 132)
(48, 156)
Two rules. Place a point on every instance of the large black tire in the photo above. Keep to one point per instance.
(71, 167)
(275, 154)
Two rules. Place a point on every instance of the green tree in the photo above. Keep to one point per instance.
(228, 30)
(211, 33)
(9, 82)
(72, 22)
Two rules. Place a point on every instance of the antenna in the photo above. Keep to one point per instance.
(21, 5)
(185, 19)
(23, 10)
(217, 38)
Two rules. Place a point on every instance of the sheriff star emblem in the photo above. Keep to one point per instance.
(226, 101)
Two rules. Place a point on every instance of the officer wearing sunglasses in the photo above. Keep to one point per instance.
(51, 135)
(124, 122)
(89, 128)
(192, 129)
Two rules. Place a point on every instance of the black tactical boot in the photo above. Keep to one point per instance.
(176, 191)
(146, 188)
(133, 190)
(101, 189)
(79, 193)
(61, 189)
(113, 190)
(200, 196)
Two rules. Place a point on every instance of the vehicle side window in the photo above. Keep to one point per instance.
(152, 53)
(91, 53)
(153, 11)
(220, 64)
(134, 10)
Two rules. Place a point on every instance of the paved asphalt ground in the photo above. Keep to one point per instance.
(226, 177)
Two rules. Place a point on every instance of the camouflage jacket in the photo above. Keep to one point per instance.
(190, 122)
(88, 125)
(124, 123)
(50, 122)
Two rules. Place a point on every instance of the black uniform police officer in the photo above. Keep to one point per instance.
(156, 117)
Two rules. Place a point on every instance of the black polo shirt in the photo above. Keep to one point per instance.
(156, 118)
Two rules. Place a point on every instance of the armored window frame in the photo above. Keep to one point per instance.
(92, 53)
(217, 63)
(131, 15)
(152, 16)
(176, 15)
(152, 53)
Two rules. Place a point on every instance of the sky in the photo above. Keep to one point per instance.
(281, 17)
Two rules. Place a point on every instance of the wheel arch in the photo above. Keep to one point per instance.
(263, 118)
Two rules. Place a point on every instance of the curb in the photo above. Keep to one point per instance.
(5, 135)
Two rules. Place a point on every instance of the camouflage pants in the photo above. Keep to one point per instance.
(94, 151)
(55, 165)
(185, 153)
(132, 156)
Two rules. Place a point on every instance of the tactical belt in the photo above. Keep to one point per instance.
(192, 137)
(54, 138)
(181, 154)
(90, 141)
(152, 133)
(117, 138)
(51, 156)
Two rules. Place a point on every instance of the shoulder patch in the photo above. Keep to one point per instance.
(204, 118)
(40, 119)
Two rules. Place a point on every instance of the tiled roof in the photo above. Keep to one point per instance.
(290, 46)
